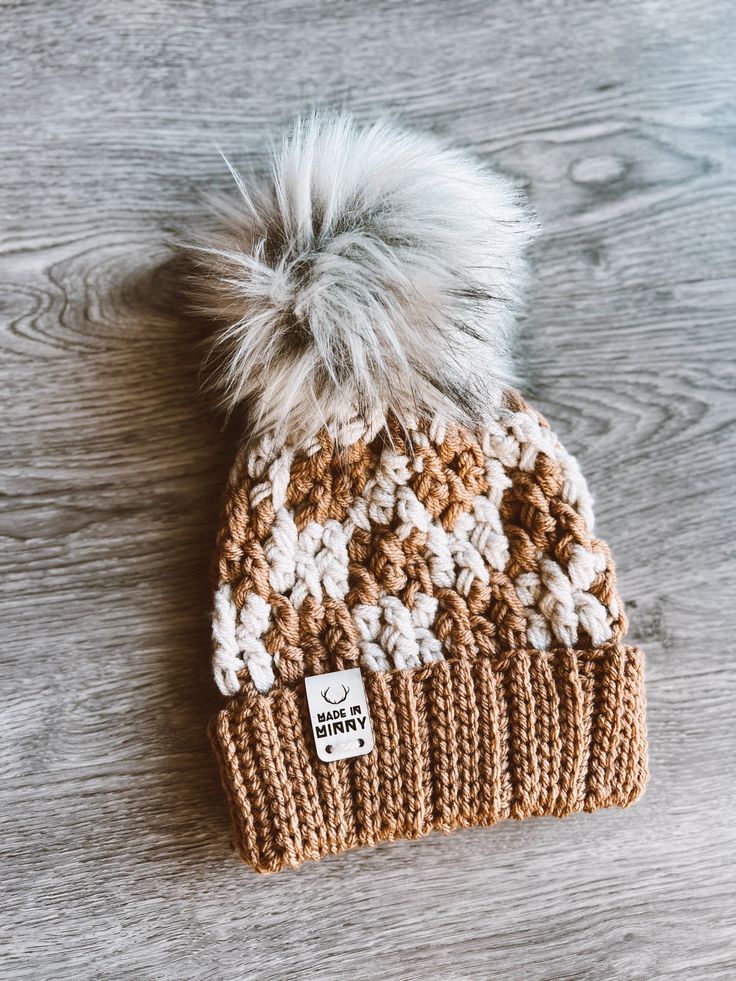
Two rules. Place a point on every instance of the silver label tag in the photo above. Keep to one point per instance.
(338, 710)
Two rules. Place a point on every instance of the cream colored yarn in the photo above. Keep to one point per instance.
(313, 561)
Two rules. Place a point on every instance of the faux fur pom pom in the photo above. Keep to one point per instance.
(375, 273)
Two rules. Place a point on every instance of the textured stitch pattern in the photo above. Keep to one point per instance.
(396, 552)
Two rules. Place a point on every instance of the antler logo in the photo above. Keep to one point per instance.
(338, 701)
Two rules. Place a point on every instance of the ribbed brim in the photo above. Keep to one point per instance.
(457, 744)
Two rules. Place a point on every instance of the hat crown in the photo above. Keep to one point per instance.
(406, 548)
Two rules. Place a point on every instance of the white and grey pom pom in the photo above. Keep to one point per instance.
(376, 273)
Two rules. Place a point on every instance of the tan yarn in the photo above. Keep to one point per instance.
(460, 573)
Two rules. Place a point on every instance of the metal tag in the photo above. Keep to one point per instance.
(338, 710)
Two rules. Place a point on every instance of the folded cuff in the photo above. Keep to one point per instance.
(457, 744)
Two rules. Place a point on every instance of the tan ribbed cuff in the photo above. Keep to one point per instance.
(457, 744)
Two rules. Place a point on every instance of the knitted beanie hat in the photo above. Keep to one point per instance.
(414, 625)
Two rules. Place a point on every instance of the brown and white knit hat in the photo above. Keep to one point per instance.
(414, 625)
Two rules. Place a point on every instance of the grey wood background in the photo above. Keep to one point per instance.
(619, 119)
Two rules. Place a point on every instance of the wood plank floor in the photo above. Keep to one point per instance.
(618, 118)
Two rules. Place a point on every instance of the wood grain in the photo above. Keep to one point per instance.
(618, 118)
